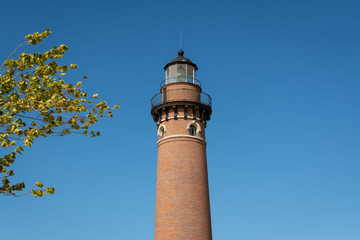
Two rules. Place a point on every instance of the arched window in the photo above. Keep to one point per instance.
(193, 127)
(192, 130)
(161, 130)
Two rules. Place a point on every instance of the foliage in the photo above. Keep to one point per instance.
(35, 101)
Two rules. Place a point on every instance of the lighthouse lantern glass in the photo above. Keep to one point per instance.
(190, 74)
(180, 73)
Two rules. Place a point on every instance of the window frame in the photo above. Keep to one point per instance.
(192, 130)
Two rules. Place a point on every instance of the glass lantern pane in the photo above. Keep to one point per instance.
(172, 74)
(180, 73)
(166, 76)
(190, 74)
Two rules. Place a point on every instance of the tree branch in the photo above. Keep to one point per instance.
(22, 44)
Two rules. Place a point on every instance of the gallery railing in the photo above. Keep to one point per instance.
(180, 79)
(177, 95)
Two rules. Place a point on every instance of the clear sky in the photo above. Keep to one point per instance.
(283, 142)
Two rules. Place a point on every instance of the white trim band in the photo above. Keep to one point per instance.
(181, 136)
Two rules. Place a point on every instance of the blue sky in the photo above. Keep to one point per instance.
(283, 141)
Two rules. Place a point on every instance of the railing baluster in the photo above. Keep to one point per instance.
(158, 98)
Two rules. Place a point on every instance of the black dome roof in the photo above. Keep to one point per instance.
(181, 59)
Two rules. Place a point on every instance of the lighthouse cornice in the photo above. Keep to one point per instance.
(189, 109)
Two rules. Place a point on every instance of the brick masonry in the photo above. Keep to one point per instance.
(182, 192)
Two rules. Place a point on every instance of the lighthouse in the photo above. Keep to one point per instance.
(181, 111)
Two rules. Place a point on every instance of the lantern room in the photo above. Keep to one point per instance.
(181, 92)
(180, 69)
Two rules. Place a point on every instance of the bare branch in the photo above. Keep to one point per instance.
(22, 44)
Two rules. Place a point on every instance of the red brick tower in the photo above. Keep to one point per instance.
(180, 111)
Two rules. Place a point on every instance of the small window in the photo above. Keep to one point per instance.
(192, 131)
(161, 130)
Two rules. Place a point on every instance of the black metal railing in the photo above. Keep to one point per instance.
(180, 79)
(176, 95)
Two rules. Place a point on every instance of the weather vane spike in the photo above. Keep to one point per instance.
(180, 39)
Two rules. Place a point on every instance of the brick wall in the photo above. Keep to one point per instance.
(182, 193)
